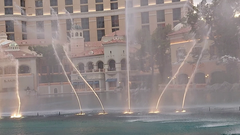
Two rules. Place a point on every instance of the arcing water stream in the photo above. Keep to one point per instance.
(196, 67)
(85, 81)
(174, 76)
(57, 56)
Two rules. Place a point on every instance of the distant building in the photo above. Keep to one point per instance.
(208, 71)
(31, 21)
(10, 51)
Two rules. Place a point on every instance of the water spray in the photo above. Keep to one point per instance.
(193, 74)
(174, 76)
(103, 110)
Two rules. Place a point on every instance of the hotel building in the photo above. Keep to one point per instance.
(32, 21)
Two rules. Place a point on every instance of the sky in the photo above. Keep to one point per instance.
(197, 1)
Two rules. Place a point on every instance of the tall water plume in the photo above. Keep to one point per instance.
(57, 56)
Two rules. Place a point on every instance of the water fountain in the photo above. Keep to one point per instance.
(173, 77)
(194, 71)
(57, 56)
(18, 114)
(67, 56)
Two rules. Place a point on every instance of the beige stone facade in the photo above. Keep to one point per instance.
(184, 46)
(90, 14)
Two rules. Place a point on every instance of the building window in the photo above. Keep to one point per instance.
(24, 36)
(100, 34)
(54, 25)
(9, 26)
(84, 8)
(40, 26)
(24, 69)
(39, 12)
(68, 2)
(115, 29)
(99, 7)
(159, 1)
(90, 66)
(23, 11)
(38, 3)
(81, 67)
(53, 2)
(98, 1)
(144, 2)
(176, 13)
(114, 6)
(123, 64)
(10, 37)
(160, 16)
(86, 36)
(24, 26)
(83, 1)
(69, 9)
(40, 36)
(54, 10)
(175, 0)
(100, 65)
(22, 3)
(8, 11)
(112, 65)
(115, 21)
(145, 17)
(85, 23)
(100, 22)
(69, 24)
(8, 3)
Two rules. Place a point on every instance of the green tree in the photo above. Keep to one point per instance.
(220, 16)
(48, 58)
(161, 51)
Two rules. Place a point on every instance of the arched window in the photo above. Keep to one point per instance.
(55, 91)
(199, 78)
(81, 67)
(112, 66)
(100, 65)
(76, 34)
(182, 79)
(81, 34)
(24, 69)
(180, 53)
(9, 70)
(90, 66)
(123, 64)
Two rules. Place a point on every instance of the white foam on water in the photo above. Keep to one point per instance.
(222, 124)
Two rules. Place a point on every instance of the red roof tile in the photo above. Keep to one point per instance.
(93, 44)
(20, 54)
(93, 52)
